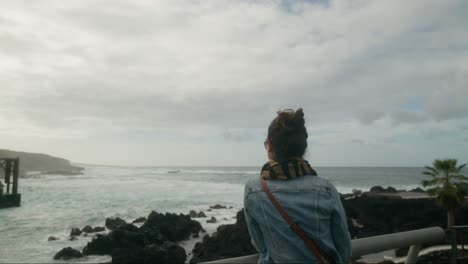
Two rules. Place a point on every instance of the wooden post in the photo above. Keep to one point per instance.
(15, 175)
(7, 175)
(453, 242)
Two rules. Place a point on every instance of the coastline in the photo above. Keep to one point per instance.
(85, 200)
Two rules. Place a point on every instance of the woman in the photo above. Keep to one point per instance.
(293, 215)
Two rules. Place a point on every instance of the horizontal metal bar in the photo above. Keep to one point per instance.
(460, 227)
(376, 244)
(245, 260)
(370, 245)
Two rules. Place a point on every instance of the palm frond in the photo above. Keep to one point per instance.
(460, 177)
(433, 191)
(431, 182)
(430, 173)
(460, 168)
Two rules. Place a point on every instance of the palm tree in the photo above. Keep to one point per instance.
(448, 185)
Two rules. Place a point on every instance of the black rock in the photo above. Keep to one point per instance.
(68, 253)
(75, 231)
(52, 238)
(212, 220)
(100, 245)
(229, 241)
(377, 189)
(381, 215)
(194, 214)
(172, 226)
(128, 256)
(201, 214)
(114, 223)
(72, 238)
(168, 252)
(218, 206)
(88, 229)
(380, 189)
(139, 220)
(419, 190)
(98, 229)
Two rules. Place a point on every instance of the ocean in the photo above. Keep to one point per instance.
(53, 204)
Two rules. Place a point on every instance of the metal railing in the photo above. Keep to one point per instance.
(454, 242)
(370, 245)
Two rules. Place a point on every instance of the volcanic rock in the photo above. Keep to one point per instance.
(114, 223)
(379, 215)
(139, 220)
(419, 190)
(68, 253)
(229, 241)
(168, 252)
(218, 206)
(194, 214)
(212, 220)
(172, 226)
(98, 229)
(377, 189)
(52, 238)
(87, 229)
(75, 231)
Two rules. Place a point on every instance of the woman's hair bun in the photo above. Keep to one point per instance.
(299, 118)
(288, 134)
(291, 120)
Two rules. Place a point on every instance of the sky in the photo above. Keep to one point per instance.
(197, 82)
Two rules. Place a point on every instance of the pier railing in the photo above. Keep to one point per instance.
(370, 245)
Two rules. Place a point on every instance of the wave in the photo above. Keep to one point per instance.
(208, 171)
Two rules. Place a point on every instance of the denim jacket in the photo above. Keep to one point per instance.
(313, 203)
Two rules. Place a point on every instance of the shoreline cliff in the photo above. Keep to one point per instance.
(39, 163)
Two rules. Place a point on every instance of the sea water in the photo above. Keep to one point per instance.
(53, 204)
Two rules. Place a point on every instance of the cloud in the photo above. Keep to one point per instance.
(410, 117)
(222, 68)
(368, 117)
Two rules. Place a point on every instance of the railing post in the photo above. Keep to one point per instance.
(15, 175)
(8, 168)
(413, 253)
(453, 242)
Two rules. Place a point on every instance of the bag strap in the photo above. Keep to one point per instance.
(297, 229)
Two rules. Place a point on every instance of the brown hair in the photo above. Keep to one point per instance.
(288, 135)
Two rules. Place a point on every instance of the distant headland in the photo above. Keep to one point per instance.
(37, 163)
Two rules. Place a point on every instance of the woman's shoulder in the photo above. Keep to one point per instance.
(253, 184)
(305, 182)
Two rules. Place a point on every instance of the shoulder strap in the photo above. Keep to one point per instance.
(297, 229)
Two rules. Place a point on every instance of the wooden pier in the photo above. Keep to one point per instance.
(9, 196)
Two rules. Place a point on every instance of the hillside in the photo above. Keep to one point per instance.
(41, 163)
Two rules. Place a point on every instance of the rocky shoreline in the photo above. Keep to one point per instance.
(157, 237)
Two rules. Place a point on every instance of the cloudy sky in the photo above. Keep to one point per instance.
(196, 82)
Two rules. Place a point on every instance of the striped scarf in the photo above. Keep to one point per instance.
(286, 170)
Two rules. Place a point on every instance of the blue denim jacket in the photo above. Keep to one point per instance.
(313, 203)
